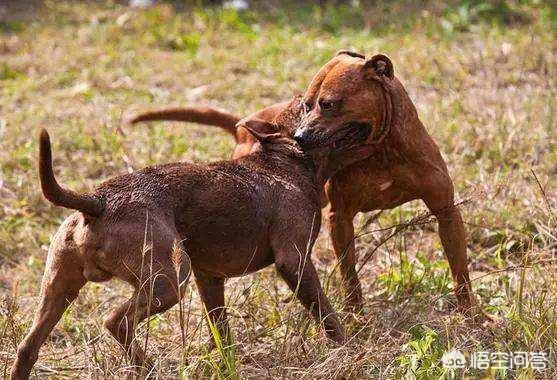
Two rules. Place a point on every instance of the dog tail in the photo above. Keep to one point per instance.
(200, 115)
(85, 203)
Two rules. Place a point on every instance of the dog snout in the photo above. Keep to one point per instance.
(302, 136)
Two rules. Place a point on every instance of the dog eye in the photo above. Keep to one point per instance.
(307, 106)
(326, 106)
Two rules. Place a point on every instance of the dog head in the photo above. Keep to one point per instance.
(347, 102)
(326, 159)
(275, 135)
(278, 133)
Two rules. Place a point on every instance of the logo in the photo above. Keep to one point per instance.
(453, 359)
(484, 360)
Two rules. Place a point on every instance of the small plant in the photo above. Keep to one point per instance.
(417, 276)
(8, 73)
(422, 355)
(178, 257)
(226, 349)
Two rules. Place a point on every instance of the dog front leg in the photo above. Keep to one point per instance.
(211, 291)
(60, 286)
(301, 277)
(341, 230)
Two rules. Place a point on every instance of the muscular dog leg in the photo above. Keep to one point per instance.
(123, 321)
(440, 201)
(301, 277)
(453, 239)
(155, 282)
(156, 293)
(211, 290)
(60, 285)
(341, 230)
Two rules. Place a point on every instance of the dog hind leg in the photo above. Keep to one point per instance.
(62, 280)
(439, 198)
(144, 303)
(154, 294)
(453, 239)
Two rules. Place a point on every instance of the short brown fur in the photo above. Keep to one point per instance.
(400, 162)
(228, 216)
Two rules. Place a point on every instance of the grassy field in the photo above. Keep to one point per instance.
(484, 79)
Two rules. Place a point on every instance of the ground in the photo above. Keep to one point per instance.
(483, 76)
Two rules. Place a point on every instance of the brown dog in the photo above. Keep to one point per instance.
(400, 162)
(233, 217)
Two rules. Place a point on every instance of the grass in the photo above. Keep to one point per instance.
(483, 76)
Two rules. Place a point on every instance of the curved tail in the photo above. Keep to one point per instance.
(85, 203)
(200, 115)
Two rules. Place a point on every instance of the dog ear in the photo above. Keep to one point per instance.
(260, 130)
(380, 65)
(350, 53)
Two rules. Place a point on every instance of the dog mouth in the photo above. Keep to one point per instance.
(350, 135)
(347, 136)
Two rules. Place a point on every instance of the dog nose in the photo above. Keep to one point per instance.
(301, 136)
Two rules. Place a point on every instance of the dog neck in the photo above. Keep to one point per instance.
(315, 168)
(401, 131)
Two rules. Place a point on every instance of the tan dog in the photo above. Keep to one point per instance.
(233, 217)
(400, 162)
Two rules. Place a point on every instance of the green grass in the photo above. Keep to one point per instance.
(483, 76)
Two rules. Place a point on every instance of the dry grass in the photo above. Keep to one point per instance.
(484, 80)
